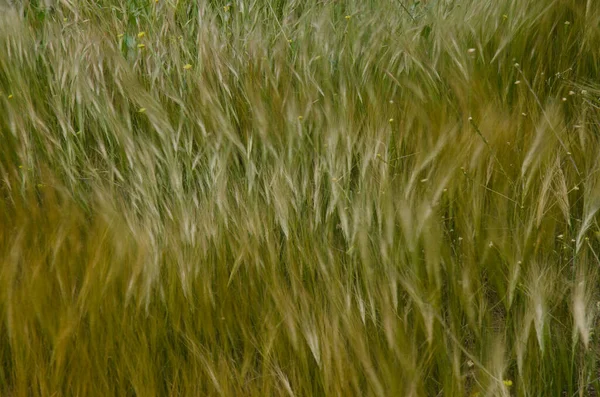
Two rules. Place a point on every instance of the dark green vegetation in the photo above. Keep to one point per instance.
(299, 198)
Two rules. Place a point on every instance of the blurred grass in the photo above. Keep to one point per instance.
(256, 198)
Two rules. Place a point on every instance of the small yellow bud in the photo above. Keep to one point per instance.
(142, 110)
(10, 96)
(507, 382)
(140, 46)
(348, 17)
(187, 66)
(141, 34)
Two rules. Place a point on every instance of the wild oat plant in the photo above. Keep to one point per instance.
(299, 198)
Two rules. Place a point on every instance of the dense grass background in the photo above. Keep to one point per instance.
(299, 198)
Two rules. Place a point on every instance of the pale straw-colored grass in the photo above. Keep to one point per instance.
(299, 198)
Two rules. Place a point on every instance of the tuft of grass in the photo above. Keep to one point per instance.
(299, 198)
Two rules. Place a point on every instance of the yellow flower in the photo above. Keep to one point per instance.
(226, 8)
(391, 120)
(507, 382)
(141, 45)
(348, 16)
(120, 35)
(290, 41)
(187, 66)
(10, 96)
(142, 110)
(300, 117)
(141, 34)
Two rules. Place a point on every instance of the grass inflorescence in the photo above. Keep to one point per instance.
(299, 198)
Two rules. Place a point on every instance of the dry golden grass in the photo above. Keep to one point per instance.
(299, 198)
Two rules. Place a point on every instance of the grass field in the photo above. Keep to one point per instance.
(299, 198)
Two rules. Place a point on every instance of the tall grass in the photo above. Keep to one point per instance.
(299, 198)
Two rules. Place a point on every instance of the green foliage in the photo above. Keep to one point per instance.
(256, 198)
